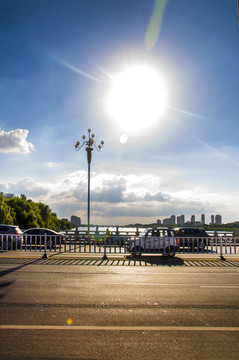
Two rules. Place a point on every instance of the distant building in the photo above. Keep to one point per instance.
(166, 221)
(159, 222)
(218, 219)
(173, 219)
(193, 219)
(76, 220)
(212, 219)
(181, 220)
(170, 221)
(7, 196)
(203, 219)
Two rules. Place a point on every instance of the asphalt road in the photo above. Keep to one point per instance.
(101, 310)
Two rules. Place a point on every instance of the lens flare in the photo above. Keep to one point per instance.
(69, 321)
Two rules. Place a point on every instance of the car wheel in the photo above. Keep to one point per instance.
(137, 251)
(48, 244)
(201, 245)
(170, 251)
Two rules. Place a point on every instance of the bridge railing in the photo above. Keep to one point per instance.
(112, 244)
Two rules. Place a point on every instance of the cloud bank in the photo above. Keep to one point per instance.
(15, 141)
(122, 199)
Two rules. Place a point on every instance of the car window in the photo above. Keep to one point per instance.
(42, 231)
(3, 228)
(30, 232)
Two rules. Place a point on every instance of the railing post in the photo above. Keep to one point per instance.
(221, 257)
(104, 256)
(45, 256)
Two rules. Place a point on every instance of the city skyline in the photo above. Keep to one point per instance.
(157, 81)
(181, 220)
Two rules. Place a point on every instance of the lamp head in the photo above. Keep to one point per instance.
(77, 144)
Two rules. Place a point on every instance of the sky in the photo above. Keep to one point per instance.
(157, 81)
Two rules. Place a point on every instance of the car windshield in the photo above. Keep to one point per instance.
(145, 232)
(157, 232)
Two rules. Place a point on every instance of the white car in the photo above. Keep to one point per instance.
(154, 240)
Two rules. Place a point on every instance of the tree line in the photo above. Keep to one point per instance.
(28, 214)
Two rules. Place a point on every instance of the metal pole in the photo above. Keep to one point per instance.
(88, 199)
(90, 144)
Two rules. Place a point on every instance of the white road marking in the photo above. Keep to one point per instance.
(221, 286)
(119, 328)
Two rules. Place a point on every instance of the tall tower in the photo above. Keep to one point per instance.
(218, 219)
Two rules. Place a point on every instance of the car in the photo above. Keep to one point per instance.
(38, 236)
(191, 237)
(10, 237)
(154, 240)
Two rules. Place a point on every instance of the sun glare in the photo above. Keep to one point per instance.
(137, 98)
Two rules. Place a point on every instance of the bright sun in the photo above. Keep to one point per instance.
(137, 98)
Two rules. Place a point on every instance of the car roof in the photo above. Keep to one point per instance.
(189, 227)
(160, 228)
(42, 229)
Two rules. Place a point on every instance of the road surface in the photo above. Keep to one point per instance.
(171, 309)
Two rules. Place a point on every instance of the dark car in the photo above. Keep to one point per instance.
(38, 236)
(191, 237)
(10, 237)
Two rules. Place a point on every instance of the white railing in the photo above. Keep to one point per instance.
(117, 244)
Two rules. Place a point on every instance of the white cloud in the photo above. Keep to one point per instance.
(52, 165)
(14, 141)
(126, 198)
(31, 188)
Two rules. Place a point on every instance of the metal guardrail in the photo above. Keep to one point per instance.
(116, 244)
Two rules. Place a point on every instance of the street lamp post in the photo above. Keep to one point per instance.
(89, 144)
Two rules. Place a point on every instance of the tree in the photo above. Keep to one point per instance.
(6, 216)
(28, 214)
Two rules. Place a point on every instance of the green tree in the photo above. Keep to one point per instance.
(27, 213)
(64, 224)
(6, 215)
(49, 218)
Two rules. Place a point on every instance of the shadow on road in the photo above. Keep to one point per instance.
(5, 284)
(129, 260)
(161, 261)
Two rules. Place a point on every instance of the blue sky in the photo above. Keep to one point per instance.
(59, 59)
